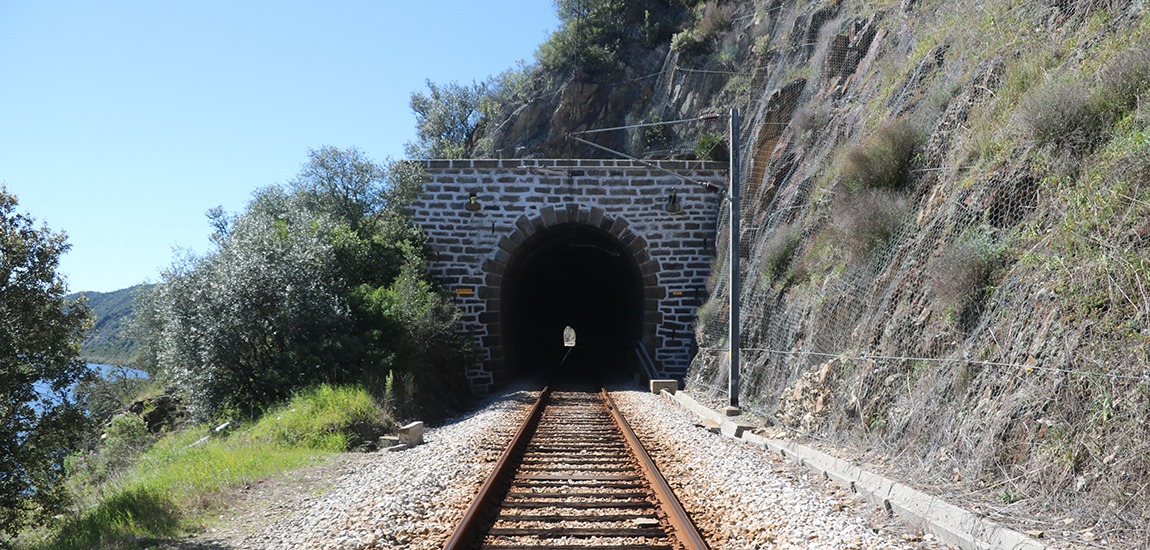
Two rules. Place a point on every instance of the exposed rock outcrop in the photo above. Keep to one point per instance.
(997, 315)
(162, 412)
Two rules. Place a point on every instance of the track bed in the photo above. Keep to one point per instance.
(574, 477)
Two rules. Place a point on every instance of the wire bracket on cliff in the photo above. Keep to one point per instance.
(711, 187)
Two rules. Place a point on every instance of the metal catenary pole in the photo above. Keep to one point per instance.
(733, 338)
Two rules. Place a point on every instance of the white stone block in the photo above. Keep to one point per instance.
(411, 434)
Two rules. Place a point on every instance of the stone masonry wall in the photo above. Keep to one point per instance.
(518, 197)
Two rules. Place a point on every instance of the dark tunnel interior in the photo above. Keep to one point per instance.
(579, 276)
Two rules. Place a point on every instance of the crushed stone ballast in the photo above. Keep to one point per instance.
(949, 523)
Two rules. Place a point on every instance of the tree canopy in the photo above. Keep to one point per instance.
(350, 186)
(447, 120)
(314, 282)
(40, 336)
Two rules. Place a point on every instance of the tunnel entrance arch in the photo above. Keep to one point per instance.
(477, 213)
(581, 267)
(579, 276)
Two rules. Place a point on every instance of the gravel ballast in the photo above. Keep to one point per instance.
(741, 496)
(408, 499)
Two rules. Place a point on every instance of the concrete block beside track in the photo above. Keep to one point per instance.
(411, 434)
(658, 386)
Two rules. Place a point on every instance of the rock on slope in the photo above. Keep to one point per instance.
(945, 232)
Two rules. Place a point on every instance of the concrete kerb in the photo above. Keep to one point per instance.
(951, 524)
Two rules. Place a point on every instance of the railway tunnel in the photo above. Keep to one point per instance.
(619, 250)
(579, 276)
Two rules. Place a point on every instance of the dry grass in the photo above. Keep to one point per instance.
(960, 277)
(715, 19)
(779, 251)
(1124, 80)
(883, 160)
(699, 37)
(867, 221)
(1076, 116)
(1063, 114)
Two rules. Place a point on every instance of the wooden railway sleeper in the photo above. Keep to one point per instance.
(576, 462)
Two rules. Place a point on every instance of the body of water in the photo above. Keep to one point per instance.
(106, 371)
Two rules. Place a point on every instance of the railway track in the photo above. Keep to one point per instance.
(575, 476)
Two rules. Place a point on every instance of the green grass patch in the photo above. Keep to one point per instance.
(121, 521)
(194, 471)
(169, 488)
(323, 418)
(173, 486)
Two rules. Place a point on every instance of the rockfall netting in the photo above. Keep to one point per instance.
(945, 244)
(944, 255)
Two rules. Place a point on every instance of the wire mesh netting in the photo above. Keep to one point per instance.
(687, 120)
(830, 262)
(936, 255)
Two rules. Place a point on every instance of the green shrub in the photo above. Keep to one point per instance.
(591, 35)
(657, 135)
(959, 279)
(652, 30)
(689, 40)
(762, 45)
(447, 119)
(106, 395)
(125, 438)
(712, 147)
(883, 161)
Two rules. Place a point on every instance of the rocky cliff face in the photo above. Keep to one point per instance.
(945, 234)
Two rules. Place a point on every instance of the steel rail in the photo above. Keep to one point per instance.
(685, 530)
(468, 529)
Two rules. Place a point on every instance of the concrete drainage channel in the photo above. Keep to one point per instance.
(951, 524)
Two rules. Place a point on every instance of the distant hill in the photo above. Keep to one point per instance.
(110, 344)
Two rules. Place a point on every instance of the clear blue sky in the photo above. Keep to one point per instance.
(122, 123)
